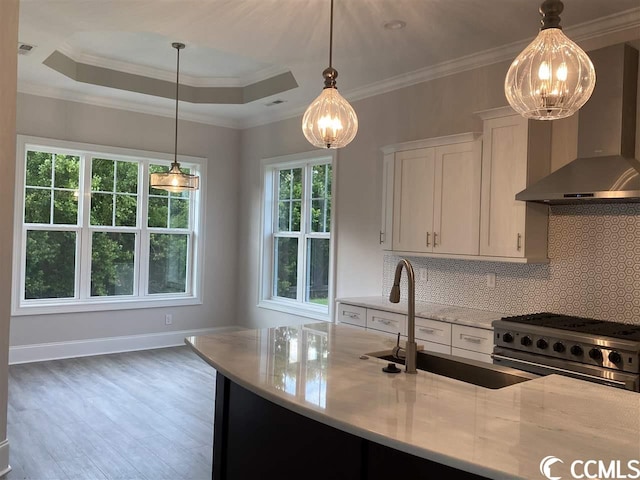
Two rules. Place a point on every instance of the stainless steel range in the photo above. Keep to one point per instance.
(584, 348)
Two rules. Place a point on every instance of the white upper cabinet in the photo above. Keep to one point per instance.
(516, 152)
(386, 226)
(435, 196)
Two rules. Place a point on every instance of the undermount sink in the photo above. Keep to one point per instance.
(470, 371)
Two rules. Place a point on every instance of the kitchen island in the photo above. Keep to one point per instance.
(301, 397)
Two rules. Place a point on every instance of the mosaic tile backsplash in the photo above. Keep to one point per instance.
(594, 270)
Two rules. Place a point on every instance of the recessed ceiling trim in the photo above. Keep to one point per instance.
(105, 77)
(100, 101)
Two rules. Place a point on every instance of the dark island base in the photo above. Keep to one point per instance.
(257, 439)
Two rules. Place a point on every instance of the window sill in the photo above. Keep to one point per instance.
(292, 308)
(42, 308)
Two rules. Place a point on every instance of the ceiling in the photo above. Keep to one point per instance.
(236, 43)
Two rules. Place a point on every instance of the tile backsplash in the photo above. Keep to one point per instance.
(594, 270)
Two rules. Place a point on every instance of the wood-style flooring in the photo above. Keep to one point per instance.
(140, 415)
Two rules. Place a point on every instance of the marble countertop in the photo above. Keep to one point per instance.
(436, 311)
(315, 370)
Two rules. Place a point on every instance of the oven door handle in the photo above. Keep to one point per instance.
(571, 373)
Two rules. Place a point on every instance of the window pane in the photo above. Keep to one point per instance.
(318, 215)
(50, 265)
(318, 181)
(179, 212)
(37, 206)
(126, 206)
(286, 253)
(39, 169)
(317, 275)
(101, 209)
(67, 171)
(158, 212)
(296, 213)
(112, 263)
(102, 175)
(65, 207)
(126, 177)
(284, 208)
(168, 263)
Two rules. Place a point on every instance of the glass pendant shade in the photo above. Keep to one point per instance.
(330, 121)
(553, 77)
(174, 180)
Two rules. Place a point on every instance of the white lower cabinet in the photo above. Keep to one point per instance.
(471, 342)
(352, 314)
(386, 321)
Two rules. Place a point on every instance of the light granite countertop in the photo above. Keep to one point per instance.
(436, 311)
(315, 370)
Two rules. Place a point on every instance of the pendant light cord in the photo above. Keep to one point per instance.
(331, 37)
(175, 152)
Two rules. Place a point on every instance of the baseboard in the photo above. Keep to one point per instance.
(4, 458)
(99, 346)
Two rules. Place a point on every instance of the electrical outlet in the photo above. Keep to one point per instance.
(168, 319)
(423, 276)
(491, 280)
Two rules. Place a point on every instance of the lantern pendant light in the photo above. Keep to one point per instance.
(175, 180)
(330, 122)
(553, 77)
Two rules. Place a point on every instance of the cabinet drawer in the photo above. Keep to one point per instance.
(386, 321)
(433, 331)
(352, 315)
(471, 338)
(481, 357)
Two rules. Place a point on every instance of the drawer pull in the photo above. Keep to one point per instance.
(470, 339)
(351, 315)
(430, 331)
(383, 321)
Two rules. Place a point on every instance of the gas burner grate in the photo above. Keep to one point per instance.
(579, 324)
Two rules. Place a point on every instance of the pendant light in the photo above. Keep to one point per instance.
(175, 180)
(330, 122)
(553, 77)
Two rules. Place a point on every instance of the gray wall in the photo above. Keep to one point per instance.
(64, 120)
(8, 60)
(440, 107)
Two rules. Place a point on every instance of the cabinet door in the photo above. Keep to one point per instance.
(386, 226)
(352, 315)
(504, 173)
(456, 219)
(413, 200)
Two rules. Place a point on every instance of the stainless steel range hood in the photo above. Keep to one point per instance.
(605, 170)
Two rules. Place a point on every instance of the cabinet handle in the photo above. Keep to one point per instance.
(428, 238)
(519, 242)
(350, 314)
(435, 239)
(383, 321)
(381, 237)
(430, 331)
(470, 339)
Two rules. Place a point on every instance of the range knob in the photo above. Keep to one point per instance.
(558, 347)
(542, 344)
(595, 354)
(526, 340)
(615, 357)
(576, 350)
(507, 337)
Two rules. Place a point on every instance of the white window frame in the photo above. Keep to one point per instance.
(84, 302)
(267, 260)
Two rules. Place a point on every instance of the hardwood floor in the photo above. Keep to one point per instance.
(141, 415)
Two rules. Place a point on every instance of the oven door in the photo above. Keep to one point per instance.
(532, 363)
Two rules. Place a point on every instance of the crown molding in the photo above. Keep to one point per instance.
(602, 27)
(167, 75)
(99, 101)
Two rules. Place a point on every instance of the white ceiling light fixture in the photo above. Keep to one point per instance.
(175, 180)
(330, 121)
(553, 77)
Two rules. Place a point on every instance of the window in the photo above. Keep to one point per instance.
(92, 234)
(296, 254)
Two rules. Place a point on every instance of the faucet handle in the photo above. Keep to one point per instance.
(397, 350)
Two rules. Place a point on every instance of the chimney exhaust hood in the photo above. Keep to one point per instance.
(606, 170)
